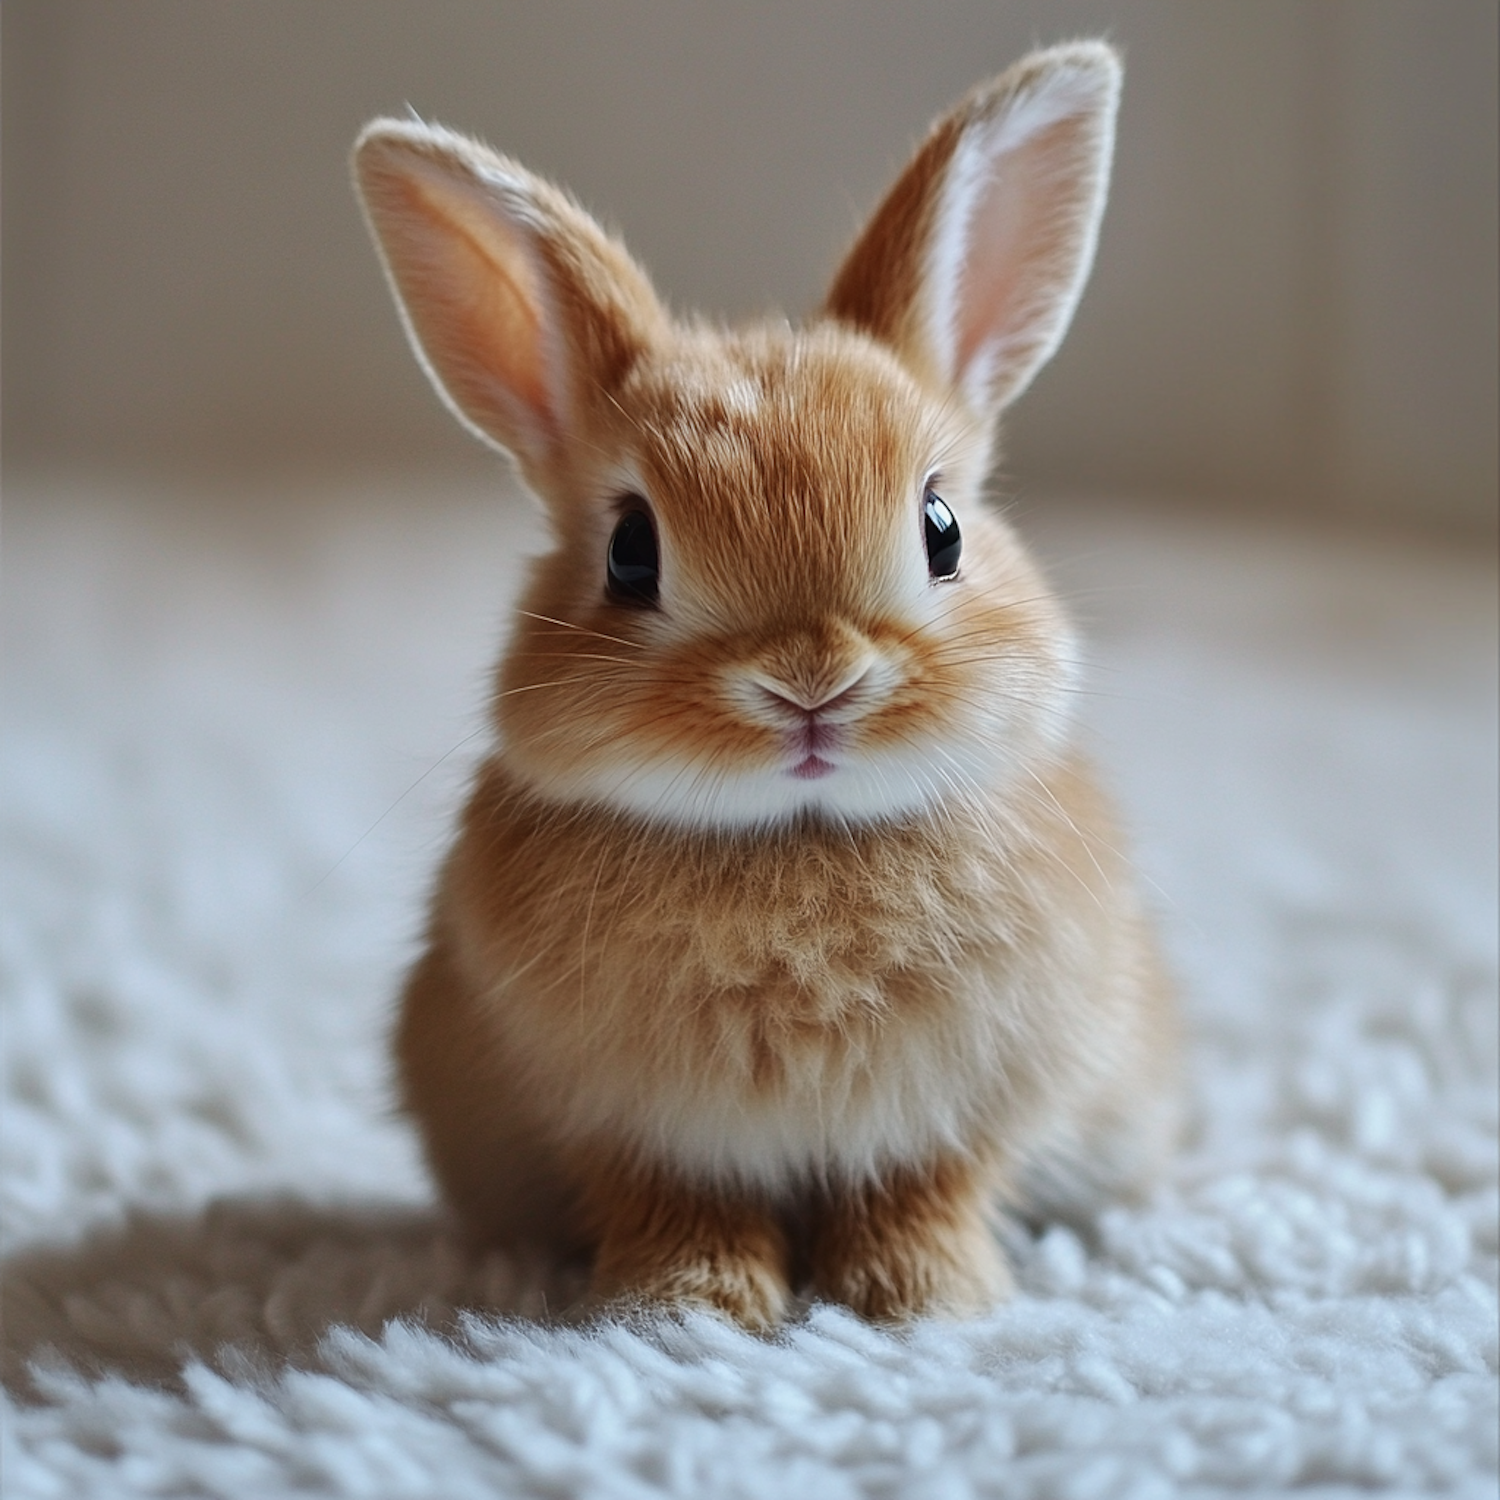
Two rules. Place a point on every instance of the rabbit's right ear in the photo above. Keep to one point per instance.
(973, 264)
(520, 308)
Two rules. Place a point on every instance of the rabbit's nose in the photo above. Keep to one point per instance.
(832, 669)
(809, 694)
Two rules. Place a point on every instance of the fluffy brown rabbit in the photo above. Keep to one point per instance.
(786, 934)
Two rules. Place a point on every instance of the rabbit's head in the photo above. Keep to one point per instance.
(774, 589)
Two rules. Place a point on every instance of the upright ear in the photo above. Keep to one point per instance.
(519, 307)
(973, 264)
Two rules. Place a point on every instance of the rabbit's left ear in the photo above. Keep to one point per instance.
(520, 307)
(973, 264)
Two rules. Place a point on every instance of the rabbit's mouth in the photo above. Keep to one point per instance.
(811, 767)
(809, 745)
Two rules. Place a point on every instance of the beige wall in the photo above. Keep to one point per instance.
(1295, 301)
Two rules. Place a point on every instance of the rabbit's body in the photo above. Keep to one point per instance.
(768, 1011)
(786, 932)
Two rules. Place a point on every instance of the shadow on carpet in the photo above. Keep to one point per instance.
(251, 1282)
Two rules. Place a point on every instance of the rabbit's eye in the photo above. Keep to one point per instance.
(632, 566)
(944, 544)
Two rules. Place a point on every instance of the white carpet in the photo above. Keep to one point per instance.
(223, 1273)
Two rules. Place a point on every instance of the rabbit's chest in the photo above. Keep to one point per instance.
(759, 1011)
(772, 1076)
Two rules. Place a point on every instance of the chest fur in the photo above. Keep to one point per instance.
(761, 1006)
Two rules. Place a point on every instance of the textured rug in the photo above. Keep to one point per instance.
(234, 728)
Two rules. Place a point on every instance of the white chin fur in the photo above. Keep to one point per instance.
(866, 786)
(868, 790)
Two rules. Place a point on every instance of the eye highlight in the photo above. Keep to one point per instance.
(944, 543)
(632, 567)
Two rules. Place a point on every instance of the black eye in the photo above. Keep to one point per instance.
(944, 544)
(632, 565)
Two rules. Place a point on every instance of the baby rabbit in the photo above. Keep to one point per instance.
(786, 934)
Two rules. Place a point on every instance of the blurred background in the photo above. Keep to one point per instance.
(1294, 305)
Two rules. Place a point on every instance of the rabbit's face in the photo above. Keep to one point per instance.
(774, 589)
(820, 615)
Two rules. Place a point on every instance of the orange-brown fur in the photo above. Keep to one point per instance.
(725, 1029)
(912, 1238)
(662, 1239)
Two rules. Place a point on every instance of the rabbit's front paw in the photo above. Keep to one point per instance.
(913, 1243)
(665, 1243)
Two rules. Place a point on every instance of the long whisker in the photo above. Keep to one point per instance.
(532, 687)
(618, 661)
(582, 629)
(1083, 838)
(327, 874)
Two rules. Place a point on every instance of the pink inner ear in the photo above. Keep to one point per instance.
(474, 298)
(495, 327)
(1015, 286)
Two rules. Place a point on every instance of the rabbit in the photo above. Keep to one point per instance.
(786, 940)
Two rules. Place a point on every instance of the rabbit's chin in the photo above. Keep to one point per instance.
(856, 789)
